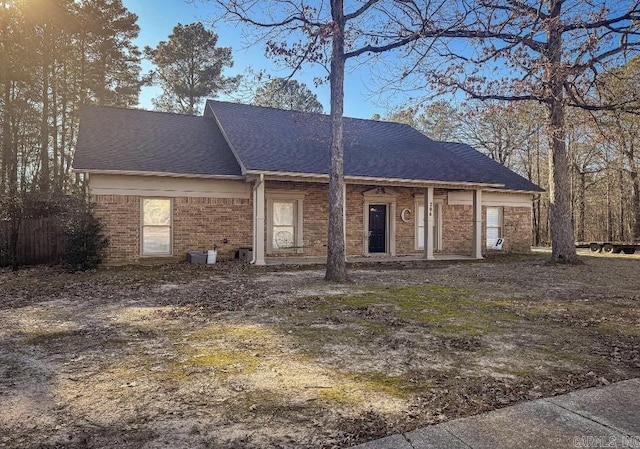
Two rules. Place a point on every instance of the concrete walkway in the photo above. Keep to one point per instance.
(602, 417)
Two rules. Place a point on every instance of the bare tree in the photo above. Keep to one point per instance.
(438, 120)
(299, 32)
(547, 51)
(497, 129)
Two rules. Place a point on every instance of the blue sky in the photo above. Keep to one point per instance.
(158, 17)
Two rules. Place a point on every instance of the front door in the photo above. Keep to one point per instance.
(378, 228)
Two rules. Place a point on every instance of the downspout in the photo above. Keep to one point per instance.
(259, 181)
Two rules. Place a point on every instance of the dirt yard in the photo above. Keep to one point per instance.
(235, 357)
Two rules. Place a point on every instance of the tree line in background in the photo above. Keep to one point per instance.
(564, 92)
(551, 52)
(603, 161)
(58, 55)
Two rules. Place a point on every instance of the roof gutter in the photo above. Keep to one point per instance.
(531, 192)
(373, 179)
(152, 173)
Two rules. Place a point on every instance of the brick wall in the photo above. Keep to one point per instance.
(517, 229)
(121, 216)
(457, 229)
(198, 224)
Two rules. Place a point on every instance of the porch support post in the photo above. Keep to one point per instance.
(344, 220)
(428, 223)
(477, 223)
(258, 222)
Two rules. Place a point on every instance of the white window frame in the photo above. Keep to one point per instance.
(500, 226)
(286, 197)
(143, 226)
(419, 228)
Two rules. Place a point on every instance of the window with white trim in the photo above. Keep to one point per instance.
(156, 227)
(494, 225)
(284, 225)
(420, 225)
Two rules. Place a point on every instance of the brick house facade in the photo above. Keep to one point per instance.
(245, 176)
(199, 223)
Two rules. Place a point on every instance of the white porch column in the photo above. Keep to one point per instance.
(344, 219)
(428, 223)
(258, 222)
(477, 223)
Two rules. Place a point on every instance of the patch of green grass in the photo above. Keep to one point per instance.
(445, 310)
(617, 327)
(242, 333)
(517, 371)
(398, 386)
(49, 337)
(360, 387)
(224, 362)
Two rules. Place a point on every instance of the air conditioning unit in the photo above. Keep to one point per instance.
(245, 254)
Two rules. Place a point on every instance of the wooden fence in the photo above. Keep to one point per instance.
(41, 240)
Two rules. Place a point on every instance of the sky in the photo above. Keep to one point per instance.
(158, 17)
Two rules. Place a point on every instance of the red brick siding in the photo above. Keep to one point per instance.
(198, 223)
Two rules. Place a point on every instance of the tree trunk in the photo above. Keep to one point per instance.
(14, 232)
(539, 199)
(63, 132)
(13, 209)
(336, 263)
(635, 197)
(54, 127)
(582, 205)
(621, 227)
(609, 234)
(6, 136)
(562, 241)
(44, 128)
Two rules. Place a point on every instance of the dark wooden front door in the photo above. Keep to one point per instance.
(378, 228)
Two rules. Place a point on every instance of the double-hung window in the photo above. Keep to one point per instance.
(494, 225)
(156, 227)
(420, 225)
(284, 224)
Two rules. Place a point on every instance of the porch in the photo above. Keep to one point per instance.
(274, 261)
(386, 224)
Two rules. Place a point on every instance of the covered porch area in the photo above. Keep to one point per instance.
(410, 258)
(384, 221)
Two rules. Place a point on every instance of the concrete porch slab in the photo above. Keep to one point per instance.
(364, 259)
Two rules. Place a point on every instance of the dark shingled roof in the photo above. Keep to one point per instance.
(267, 139)
(142, 141)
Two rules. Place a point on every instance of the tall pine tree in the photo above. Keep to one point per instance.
(189, 68)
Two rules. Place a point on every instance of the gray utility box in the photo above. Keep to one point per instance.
(245, 254)
(198, 257)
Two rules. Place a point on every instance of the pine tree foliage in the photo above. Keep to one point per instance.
(283, 93)
(85, 240)
(189, 69)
